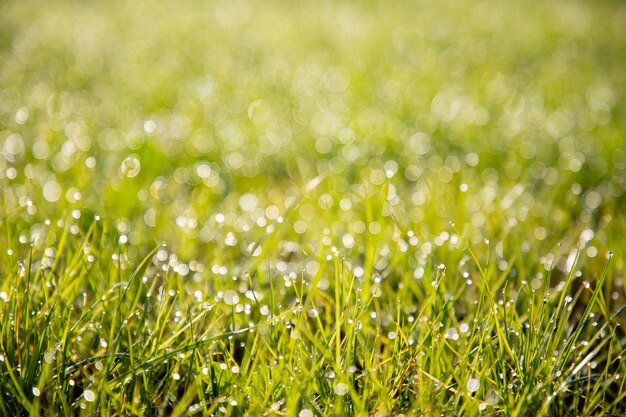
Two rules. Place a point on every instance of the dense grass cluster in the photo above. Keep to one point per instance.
(312, 209)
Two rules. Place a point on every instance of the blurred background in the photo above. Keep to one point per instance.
(200, 123)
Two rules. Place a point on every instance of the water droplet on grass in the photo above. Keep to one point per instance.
(473, 384)
(51, 191)
(130, 166)
(376, 291)
(231, 297)
(36, 392)
(341, 389)
(89, 396)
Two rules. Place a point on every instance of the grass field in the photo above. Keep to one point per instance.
(312, 208)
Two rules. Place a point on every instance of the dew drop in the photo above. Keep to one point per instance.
(473, 384)
(89, 396)
(305, 412)
(376, 291)
(231, 297)
(130, 166)
(341, 389)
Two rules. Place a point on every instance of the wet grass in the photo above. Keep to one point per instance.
(89, 335)
(246, 208)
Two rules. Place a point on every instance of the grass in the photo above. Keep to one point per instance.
(273, 208)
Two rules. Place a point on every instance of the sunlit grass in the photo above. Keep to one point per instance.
(266, 208)
(88, 333)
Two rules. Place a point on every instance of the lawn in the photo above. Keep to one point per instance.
(272, 208)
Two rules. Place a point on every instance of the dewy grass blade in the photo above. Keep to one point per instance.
(304, 175)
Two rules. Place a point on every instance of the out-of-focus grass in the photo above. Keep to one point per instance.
(368, 208)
